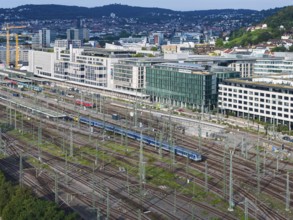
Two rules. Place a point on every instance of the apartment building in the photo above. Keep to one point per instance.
(267, 98)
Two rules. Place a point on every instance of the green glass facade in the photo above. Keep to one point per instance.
(183, 84)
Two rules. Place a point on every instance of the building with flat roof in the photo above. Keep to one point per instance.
(267, 98)
(67, 43)
(77, 65)
(183, 84)
(23, 55)
(270, 65)
(130, 74)
(43, 38)
(244, 65)
(274, 65)
(77, 34)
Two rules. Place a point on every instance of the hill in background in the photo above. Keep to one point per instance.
(277, 25)
(142, 14)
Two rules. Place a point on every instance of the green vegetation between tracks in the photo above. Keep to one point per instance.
(159, 176)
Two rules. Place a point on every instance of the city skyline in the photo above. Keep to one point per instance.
(183, 5)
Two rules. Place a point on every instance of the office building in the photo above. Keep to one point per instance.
(77, 34)
(243, 65)
(273, 65)
(67, 43)
(267, 98)
(43, 38)
(130, 74)
(46, 36)
(92, 67)
(182, 84)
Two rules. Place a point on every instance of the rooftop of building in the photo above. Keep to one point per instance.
(219, 58)
(271, 58)
(107, 52)
(195, 68)
(143, 60)
(278, 81)
(187, 66)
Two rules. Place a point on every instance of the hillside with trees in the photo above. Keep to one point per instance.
(277, 24)
(140, 14)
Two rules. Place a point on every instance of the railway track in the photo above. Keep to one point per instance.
(217, 155)
(83, 168)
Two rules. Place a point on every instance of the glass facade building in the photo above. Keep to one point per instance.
(186, 84)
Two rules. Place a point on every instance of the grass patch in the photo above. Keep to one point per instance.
(160, 177)
(37, 164)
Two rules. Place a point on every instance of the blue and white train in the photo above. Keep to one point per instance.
(192, 155)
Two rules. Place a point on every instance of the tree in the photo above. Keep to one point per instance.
(219, 42)
(124, 34)
(279, 49)
(138, 55)
(19, 204)
(6, 191)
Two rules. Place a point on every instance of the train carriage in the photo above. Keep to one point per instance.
(85, 103)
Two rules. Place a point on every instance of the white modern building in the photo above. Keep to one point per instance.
(77, 65)
(41, 63)
(130, 74)
(244, 66)
(273, 65)
(267, 98)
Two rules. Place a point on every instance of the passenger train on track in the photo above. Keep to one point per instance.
(181, 151)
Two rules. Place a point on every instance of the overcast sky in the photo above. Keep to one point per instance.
(182, 5)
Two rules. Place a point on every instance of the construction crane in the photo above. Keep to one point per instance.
(8, 28)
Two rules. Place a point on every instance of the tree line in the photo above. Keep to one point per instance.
(19, 203)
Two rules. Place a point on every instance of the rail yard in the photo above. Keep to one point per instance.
(108, 158)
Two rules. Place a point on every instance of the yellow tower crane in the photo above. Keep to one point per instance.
(8, 28)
